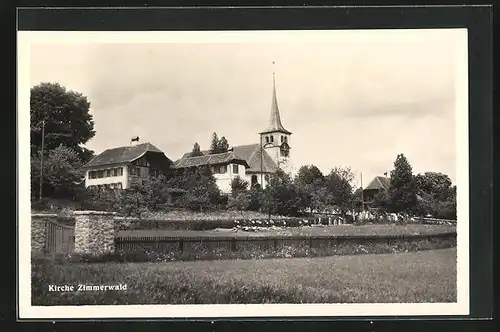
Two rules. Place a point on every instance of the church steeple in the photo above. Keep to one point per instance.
(275, 124)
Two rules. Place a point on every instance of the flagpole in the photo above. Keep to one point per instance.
(41, 161)
(362, 195)
(261, 165)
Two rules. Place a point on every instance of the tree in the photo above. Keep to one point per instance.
(433, 183)
(200, 186)
(256, 198)
(238, 185)
(310, 183)
(223, 145)
(402, 191)
(281, 196)
(196, 150)
(339, 192)
(66, 116)
(62, 174)
(240, 201)
(214, 146)
(437, 195)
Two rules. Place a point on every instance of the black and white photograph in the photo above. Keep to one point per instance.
(243, 173)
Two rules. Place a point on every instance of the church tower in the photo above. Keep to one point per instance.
(276, 139)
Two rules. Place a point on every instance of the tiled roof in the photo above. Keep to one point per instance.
(252, 154)
(379, 182)
(249, 153)
(123, 154)
(210, 159)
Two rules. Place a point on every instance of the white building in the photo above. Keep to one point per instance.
(118, 168)
(254, 162)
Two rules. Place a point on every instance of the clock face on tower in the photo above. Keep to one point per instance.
(285, 150)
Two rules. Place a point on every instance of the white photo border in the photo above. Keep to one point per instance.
(27, 311)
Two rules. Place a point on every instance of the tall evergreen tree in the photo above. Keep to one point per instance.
(402, 192)
(196, 150)
(214, 146)
(223, 145)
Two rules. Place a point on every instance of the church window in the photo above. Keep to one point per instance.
(235, 169)
(282, 139)
(272, 139)
(267, 139)
(285, 139)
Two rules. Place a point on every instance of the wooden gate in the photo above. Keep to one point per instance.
(60, 238)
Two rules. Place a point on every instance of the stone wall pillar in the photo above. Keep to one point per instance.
(94, 232)
(39, 230)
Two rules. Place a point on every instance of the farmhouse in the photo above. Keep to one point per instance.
(252, 162)
(119, 168)
(377, 185)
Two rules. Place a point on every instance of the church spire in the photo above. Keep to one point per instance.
(275, 123)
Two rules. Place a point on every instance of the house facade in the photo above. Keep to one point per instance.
(253, 162)
(119, 168)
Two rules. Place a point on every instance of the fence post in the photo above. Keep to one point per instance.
(39, 230)
(94, 232)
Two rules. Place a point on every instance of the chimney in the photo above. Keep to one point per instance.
(134, 140)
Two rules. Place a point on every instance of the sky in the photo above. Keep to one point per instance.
(349, 98)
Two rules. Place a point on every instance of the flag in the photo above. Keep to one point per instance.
(135, 139)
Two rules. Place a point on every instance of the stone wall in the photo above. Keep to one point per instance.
(94, 232)
(39, 230)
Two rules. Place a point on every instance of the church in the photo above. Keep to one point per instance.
(253, 162)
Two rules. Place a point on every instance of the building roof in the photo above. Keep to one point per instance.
(275, 123)
(124, 154)
(250, 153)
(210, 159)
(378, 183)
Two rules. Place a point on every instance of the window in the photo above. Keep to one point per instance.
(267, 139)
(120, 171)
(272, 139)
(108, 173)
(115, 171)
(282, 139)
(100, 173)
(235, 169)
(92, 174)
(119, 185)
(136, 171)
(222, 169)
(285, 139)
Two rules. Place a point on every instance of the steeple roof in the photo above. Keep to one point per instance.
(275, 123)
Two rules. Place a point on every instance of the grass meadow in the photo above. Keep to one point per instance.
(415, 277)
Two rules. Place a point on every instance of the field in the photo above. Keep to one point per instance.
(426, 276)
(339, 230)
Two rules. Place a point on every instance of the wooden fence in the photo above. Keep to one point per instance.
(59, 238)
(166, 244)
